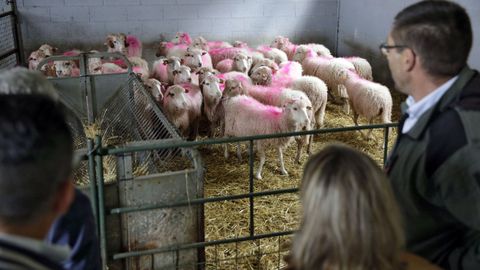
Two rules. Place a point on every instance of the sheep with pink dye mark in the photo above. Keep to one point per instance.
(313, 87)
(239, 76)
(168, 49)
(279, 96)
(245, 116)
(284, 44)
(129, 45)
(182, 38)
(366, 98)
(273, 53)
(163, 69)
(220, 54)
(333, 71)
(362, 67)
(182, 75)
(196, 58)
(226, 65)
(241, 62)
(204, 72)
(201, 43)
(212, 91)
(183, 108)
(265, 63)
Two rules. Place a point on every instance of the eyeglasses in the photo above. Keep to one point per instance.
(384, 47)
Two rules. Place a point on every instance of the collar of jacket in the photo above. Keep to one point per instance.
(448, 98)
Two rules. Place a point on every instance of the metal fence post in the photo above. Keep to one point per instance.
(93, 184)
(101, 201)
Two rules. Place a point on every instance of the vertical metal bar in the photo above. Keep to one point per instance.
(101, 202)
(251, 189)
(385, 144)
(93, 185)
(17, 36)
(338, 28)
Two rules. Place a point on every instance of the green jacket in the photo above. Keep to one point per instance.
(435, 174)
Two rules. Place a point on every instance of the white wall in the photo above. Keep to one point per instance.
(85, 23)
(365, 24)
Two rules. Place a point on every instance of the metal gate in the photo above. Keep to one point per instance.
(10, 51)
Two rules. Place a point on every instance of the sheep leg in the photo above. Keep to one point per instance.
(355, 120)
(261, 151)
(282, 165)
(225, 149)
(239, 152)
(369, 133)
(309, 147)
(300, 144)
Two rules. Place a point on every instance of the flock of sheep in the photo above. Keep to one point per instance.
(239, 90)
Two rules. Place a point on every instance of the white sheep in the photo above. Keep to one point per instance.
(163, 69)
(265, 63)
(48, 50)
(275, 54)
(182, 38)
(240, 62)
(129, 45)
(284, 44)
(196, 58)
(245, 116)
(201, 43)
(366, 98)
(183, 108)
(280, 96)
(182, 75)
(362, 67)
(204, 72)
(66, 69)
(155, 88)
(140, 67)
(168, 49)
(212, 91)
(313, 87)
(219, 54)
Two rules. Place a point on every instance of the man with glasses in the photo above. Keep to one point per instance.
(435, 164)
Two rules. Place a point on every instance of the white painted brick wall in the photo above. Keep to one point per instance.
(85, 23)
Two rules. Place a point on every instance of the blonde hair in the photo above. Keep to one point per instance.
(350, 217)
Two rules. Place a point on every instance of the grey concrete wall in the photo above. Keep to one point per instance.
(85, 23)
(365, 24)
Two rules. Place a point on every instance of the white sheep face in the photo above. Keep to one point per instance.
(193, 58)
(211, 90)
(242, 62)
(117, 43)
(64, 68)
(298, 113)
(175, 100)
(182, 75)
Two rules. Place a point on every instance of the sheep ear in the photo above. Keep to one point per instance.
(221, 81)
(165, 62)
(175, 72)
(188, 49)
(309, 108)
(203, 53)
(182, 61)
(186, 91)
(197, 72)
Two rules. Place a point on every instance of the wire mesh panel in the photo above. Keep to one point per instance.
(8, 62)
(7, 42)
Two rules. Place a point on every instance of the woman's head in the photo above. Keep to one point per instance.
(350, 219)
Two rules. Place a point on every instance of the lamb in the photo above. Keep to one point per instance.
(244, 116)
(163, 69)
(279, 96)
(273, 53)
(183, 108)
(196, 58)
(367, 98)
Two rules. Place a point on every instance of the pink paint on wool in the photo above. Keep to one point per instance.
(269, 112)
(120, 63)
(264, 48)
(71, 53)
(185, 39)
(133, 41)
(281, 81)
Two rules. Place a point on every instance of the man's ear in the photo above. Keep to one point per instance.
(409, 59)
(64, 197)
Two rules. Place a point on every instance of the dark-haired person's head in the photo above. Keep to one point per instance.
(35, 164)
(439, 32)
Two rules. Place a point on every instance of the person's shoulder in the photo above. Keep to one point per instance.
(414, 262)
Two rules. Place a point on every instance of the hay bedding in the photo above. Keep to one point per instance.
(272, 213)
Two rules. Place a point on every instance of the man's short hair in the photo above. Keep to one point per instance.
(35, 156)
(439, 32)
